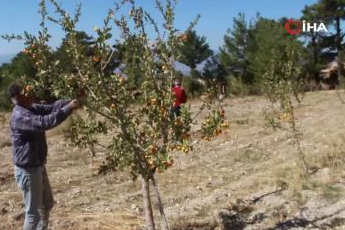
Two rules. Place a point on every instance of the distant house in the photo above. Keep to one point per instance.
(329, 76)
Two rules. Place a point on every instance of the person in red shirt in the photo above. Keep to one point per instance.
(180, 98)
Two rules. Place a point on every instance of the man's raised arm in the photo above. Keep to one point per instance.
(43, 122)
(47, 109)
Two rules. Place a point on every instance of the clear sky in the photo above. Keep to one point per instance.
(17, 16)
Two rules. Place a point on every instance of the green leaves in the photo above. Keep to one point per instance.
(128, 85)
(283, 77)
(82, 131)
(194, 49)
(214, 124)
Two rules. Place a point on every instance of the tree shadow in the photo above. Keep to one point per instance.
(234, 221)
(238, 221)
(302, 222)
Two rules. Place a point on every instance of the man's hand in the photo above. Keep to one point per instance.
(74, 104)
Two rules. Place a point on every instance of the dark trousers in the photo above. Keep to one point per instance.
(175, 111)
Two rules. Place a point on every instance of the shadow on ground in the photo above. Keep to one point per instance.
(301, 222)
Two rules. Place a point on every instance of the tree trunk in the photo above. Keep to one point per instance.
(315, 59)
(147, 204)
(92, 150)
(160, 204)
(338, 36)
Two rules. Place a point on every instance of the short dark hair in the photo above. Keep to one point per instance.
(177, 82)
(15, 89)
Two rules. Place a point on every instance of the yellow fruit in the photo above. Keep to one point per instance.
(95, 58)
(225, 125)
(207, 138)
(285, 116)
(121, 80)
(28, 88)
(154, 101)
(152, 149)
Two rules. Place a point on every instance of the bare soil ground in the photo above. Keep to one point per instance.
(248, 178)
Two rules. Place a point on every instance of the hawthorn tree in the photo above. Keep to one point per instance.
(61, 54)
(41, 55)
(282, 83)
(137, 117)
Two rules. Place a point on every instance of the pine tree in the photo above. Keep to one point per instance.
(333, 12)
(194, 49)
(313, 66)
(19, 66)
(270, 35)
(234, 53)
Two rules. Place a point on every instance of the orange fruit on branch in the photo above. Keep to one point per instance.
(28, 88)
(154, 101)
(95, 58)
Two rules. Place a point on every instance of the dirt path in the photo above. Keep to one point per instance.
(220, 176)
